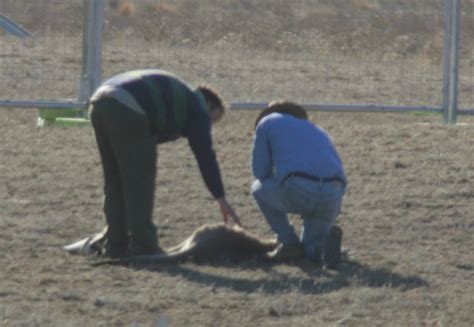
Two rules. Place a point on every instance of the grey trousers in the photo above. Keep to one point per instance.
(128, 153)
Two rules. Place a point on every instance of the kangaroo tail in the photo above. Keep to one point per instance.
(166, 257)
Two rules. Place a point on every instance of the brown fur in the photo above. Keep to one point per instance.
(207, 243)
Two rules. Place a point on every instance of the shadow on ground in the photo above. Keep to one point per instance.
(317, 280)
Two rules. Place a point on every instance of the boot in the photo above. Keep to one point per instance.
(332, 255)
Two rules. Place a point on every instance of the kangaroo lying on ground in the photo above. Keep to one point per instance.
(207, 243)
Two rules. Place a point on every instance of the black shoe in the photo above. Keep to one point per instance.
(115, 250)
(332, 255)
(136, 249)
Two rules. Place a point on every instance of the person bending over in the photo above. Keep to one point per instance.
(131, 113)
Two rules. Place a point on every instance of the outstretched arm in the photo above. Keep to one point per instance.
(227, 211)
(200, 141)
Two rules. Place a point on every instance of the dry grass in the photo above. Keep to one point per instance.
(126, 9)
(358, 27)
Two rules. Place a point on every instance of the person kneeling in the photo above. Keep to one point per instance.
(298, 171)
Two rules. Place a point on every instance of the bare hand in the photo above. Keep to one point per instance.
(227, 211)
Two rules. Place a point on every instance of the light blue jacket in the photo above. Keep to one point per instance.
(285, 144)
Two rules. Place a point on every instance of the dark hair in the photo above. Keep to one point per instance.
(283, 107)
(212, 98)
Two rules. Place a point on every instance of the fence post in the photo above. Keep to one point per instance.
(447, 57)
(92, 48)
(451, 111)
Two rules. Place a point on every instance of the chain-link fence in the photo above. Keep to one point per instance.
(362, 53)
(310, 51)
(466, 55)
(44, 62)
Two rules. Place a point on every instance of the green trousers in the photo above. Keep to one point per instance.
(128, 152)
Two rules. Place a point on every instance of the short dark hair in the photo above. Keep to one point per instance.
(212, 98)
(283, 107)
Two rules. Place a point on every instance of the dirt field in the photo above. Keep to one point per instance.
(407, 220)
(407, 216)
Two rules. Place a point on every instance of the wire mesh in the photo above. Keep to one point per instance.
(310, 51)
(466, 56)
(362, 52)
(46, 64)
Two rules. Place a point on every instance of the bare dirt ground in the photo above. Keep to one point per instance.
(407, 215)
(407, 220)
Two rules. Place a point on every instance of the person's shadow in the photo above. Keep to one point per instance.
(315, 280)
